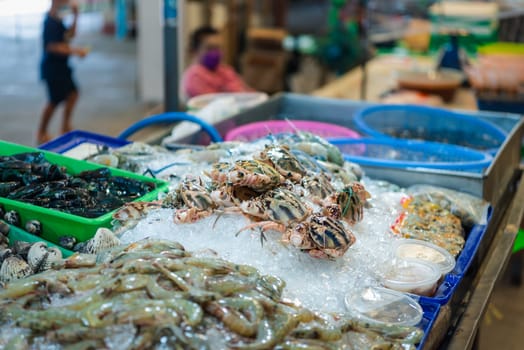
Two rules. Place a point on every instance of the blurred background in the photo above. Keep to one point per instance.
(304, 46)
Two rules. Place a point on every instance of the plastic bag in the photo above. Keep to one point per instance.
(213, 113)
(470, 209)
(430, 222)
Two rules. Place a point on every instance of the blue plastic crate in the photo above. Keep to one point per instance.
(76, 138)
(430, 124)
(431, 311)
(395, 153)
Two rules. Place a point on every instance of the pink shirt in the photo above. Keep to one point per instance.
(198, 80)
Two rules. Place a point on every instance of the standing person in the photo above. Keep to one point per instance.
(55, 69)
(208, 74)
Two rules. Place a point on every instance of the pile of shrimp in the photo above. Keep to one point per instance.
(154, 293)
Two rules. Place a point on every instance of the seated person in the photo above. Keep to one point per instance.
(208, 74)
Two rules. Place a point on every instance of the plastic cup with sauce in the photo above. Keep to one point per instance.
(425, 251)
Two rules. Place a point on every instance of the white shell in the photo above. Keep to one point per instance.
(14, 268)
(37, 255)
(104, 239)
(53, 254)
(106, 159)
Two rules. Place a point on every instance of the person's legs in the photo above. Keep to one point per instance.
(70, 103)
(42, 135)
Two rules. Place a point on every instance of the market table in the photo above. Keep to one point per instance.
(459, 320)
(381, 78)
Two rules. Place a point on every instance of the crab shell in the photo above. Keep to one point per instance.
(104, 239)
(318, 186)
(323, 237)
(195, 195)
(14, 268)
(280, 205)
(255, 175)
(281, 159)
(347, 204)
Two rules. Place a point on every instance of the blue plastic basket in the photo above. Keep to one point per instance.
(75, 138)
(395, 153)
(430, 124)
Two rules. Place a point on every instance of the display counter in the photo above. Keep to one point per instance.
(459, 320)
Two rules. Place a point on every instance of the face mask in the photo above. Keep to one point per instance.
(211, 59)
(63, 11)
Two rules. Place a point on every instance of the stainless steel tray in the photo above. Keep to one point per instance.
(490, 184)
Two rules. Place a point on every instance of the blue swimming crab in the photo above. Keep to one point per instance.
(253, 174)
(347, 204)
(283, 161)
(275, 210)
(321, 236)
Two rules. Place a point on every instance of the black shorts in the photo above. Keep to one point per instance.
(59, 88)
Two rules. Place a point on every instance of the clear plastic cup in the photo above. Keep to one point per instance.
(413, 276)
(383, 306)
(426, 251)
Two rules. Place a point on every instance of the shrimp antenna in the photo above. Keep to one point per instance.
(290, 123)
(270, 134)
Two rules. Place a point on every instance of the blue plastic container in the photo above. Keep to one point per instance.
(429, 124)
(431, 311)
(76, 138)
(395, 153)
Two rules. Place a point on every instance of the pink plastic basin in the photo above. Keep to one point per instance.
(253, 131)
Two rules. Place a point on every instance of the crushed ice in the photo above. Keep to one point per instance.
(317, 284)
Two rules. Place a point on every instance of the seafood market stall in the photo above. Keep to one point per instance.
(282, 240)
(500, 184)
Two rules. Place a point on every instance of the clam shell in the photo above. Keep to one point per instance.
(79, 247)
(106, 159)
(5, 253)
(12, 217)
(4, 228)
(104, 239)
(53, 254)
(14, 268)
(67, 242)
(34, 227)
(4, 242)
(37, 256)
(21, 248)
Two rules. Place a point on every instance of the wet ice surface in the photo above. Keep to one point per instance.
(317, 284)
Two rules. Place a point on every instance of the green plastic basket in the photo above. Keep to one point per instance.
(17, 234)
(56, 223)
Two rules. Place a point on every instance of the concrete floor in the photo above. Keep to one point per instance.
(108, 104)
(106, 78)
(504, 320)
